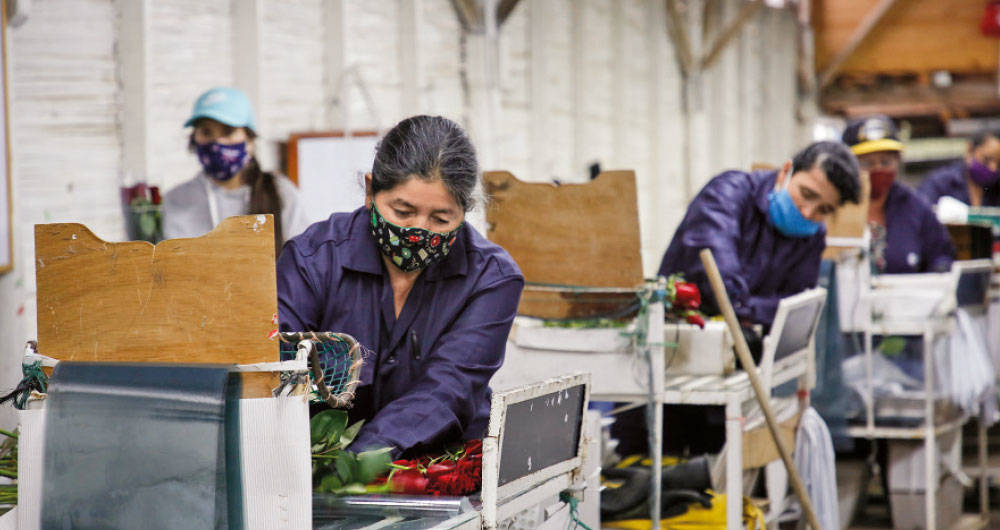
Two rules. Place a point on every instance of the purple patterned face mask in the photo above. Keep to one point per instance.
(981, 174)
(220, 161)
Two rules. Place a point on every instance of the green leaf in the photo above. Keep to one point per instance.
(326, 427)
(330, 483)
(350, 433)
(892, 345)
(347, 467)
(373, 464)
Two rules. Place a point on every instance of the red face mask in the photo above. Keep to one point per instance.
(881, 180)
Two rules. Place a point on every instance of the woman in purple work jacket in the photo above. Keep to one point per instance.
(906, 235)
(974, 181)
(428, 295)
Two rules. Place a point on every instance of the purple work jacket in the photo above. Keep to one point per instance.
(426, 381)
(759, 265)
(915, 240)
(950, 180)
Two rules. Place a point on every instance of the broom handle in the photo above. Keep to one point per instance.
(743, 352)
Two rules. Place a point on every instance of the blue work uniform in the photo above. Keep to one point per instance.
(951, 180)
(915, 240)
(759, 264)
(426, 381)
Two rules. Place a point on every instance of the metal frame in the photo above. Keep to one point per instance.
(650, 385)
(735, 390)
(940, 323)
(510, 498)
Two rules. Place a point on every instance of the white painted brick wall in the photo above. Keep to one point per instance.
(65, 146)
(191, 49)
(292, 92)
(579, 81)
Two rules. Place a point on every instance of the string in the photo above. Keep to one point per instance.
(574, 516)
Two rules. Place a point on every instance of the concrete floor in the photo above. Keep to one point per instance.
(872, 512)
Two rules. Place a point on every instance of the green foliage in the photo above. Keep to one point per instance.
(335, 469)
(892, 346)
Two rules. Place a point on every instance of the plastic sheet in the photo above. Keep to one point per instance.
(142, 446)
(386, 511)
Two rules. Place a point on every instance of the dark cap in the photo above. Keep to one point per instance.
(871, 134)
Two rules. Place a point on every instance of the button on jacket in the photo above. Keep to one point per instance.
(759, 264)
(426, 380)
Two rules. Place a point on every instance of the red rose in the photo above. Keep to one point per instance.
(686, 295)
(474, 447)
(413, 238)
(435, 241)
(442, 468)
(695, 318)
(409, 481)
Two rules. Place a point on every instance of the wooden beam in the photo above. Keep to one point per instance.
(678, 32)
(747, 11)
(504, 10)
(469, 15)
(860, 33)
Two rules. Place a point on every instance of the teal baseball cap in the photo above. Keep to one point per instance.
(224, 105)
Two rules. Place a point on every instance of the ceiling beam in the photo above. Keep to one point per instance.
(470, 15)
(504, 10)
(678, 32)
(872, 18)
(747, 11)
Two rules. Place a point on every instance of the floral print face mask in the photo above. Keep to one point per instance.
(220, 161)
(410, 249)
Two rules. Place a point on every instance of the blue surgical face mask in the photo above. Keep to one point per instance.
(220, 161)
(786, 217)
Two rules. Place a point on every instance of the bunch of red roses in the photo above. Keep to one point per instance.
(683, 300)
(454, 473)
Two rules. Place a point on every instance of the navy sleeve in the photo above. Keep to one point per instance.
(928, 190)
(461, 364)
(713, 222)
(299, 297)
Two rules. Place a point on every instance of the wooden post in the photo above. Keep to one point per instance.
(743, 353)
(747, 12)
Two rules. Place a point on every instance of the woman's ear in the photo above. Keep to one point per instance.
(369, 194)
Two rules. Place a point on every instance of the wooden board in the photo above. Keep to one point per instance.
(211, 299)
(849, 220)
(569, 235)
(759, 448)
(572, 234)
(915, 36)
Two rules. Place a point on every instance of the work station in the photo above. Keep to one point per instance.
(499, 264)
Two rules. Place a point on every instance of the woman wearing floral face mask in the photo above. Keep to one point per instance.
(231, 181)
(974, 181)
(906, 235)
(424, 291)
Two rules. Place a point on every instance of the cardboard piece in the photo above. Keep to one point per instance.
(210, 299)
(849, 221)
(569, 235)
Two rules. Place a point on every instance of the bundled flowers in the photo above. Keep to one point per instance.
(683, 301)
(457, 472)
(337, 470)
(141, 204)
